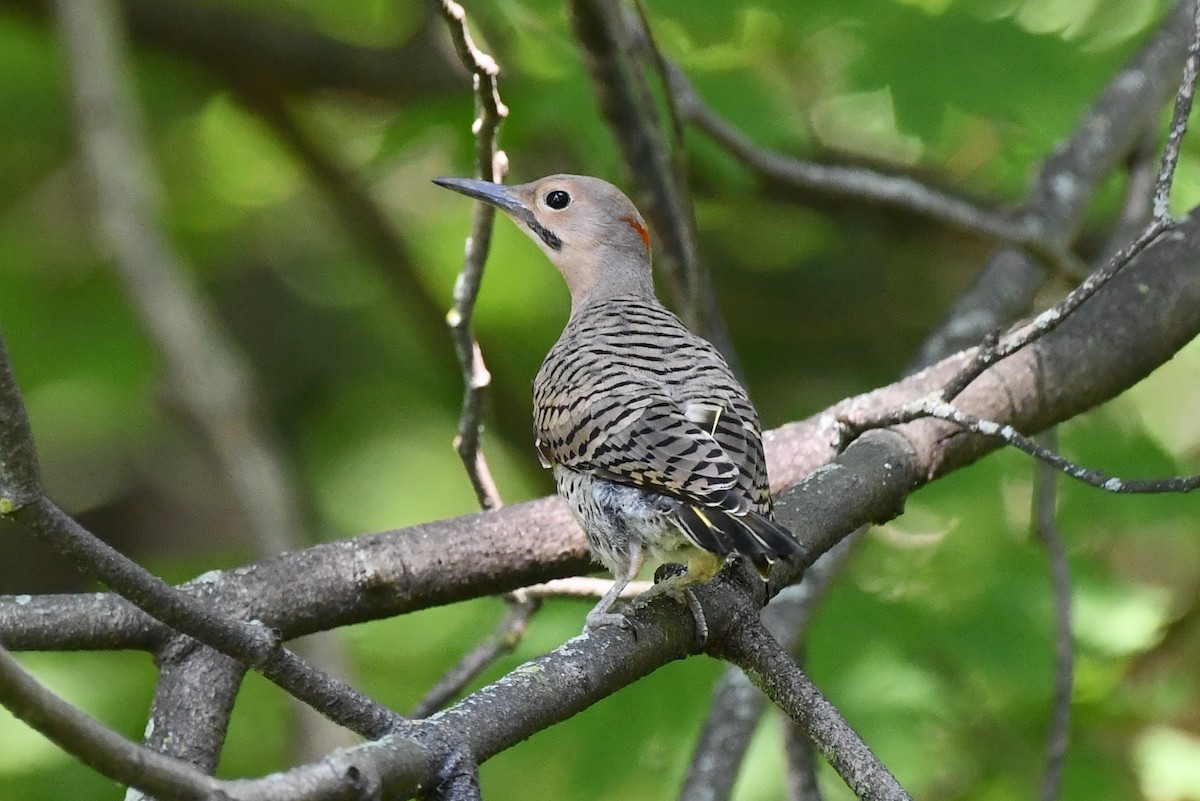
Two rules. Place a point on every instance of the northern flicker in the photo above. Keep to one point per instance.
(654, 444)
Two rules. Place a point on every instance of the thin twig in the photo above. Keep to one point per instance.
(1045, 490)
(1051, 318)
(252, 643)
(366, 220)
(582, 587)
(509, 632)
(1179, 123)
(939, 409)
(637, 26)
(491, 165)
(507, 635)
(644, 37)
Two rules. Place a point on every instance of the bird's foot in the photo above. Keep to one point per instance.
(675, 581)
(597, 619)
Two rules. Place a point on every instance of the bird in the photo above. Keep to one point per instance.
(654, 443)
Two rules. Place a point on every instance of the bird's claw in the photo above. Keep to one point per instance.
(596, 620)
(693, 605)
(671, 580)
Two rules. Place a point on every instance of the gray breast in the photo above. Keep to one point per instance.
(612, 515)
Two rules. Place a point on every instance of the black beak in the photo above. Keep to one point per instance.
(499, 196)
(495, 194)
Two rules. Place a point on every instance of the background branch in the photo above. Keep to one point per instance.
(206, 374)
(1045, 502)
(603, 31)
(1005, 288)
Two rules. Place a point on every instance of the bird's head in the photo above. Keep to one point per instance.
(590, 231)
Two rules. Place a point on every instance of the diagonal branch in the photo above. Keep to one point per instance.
(854, 182)
(193, 701)
(250, 642)
(737, 706)
(1161, 206)
(607, 35)
(772, 669)
(1112, 127)
(98, 746)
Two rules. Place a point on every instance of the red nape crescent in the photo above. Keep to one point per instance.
(640, 227)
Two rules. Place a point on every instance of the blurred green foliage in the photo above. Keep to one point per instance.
(936, 643)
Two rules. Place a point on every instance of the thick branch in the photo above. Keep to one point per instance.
(193, 699)
(737, 705)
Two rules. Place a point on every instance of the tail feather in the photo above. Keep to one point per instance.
(750, 534)
(698, 526)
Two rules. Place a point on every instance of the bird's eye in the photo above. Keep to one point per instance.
(558, 199)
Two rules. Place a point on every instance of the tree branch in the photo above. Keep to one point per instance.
(606, 35)
(737, 705)
(491, 165)
(854, 182)
(193, 700)
(510, 631)
(1161, 207)
(1113, 126)
(771, 668)
(1045, 501)
(97, 746)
